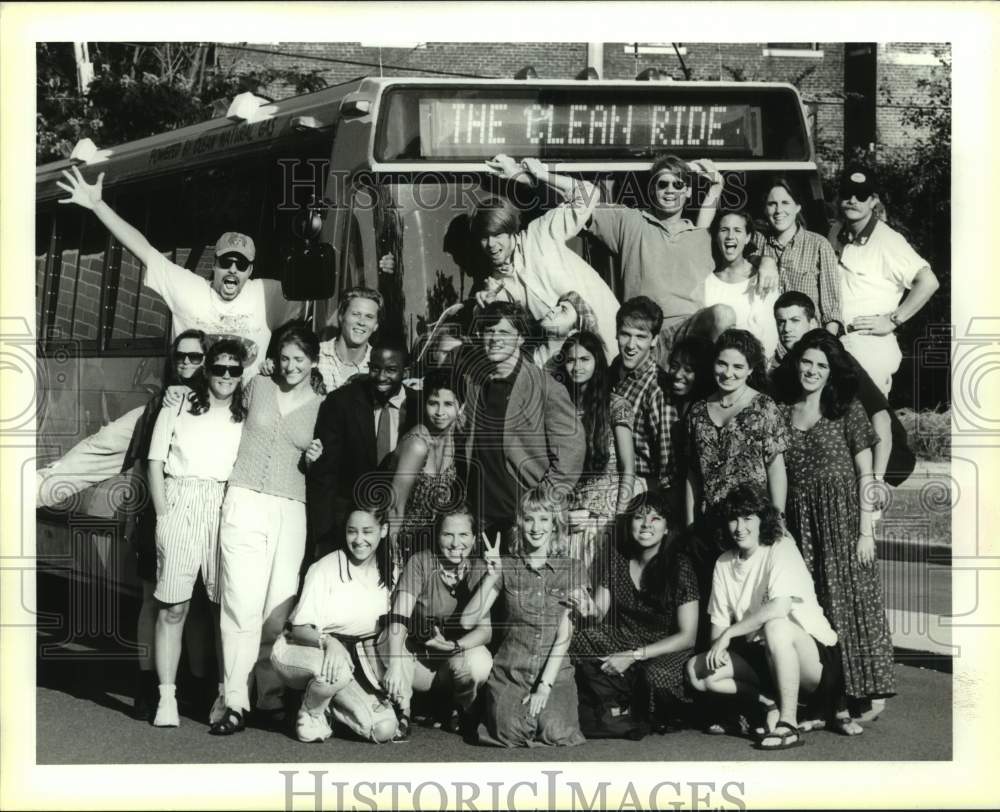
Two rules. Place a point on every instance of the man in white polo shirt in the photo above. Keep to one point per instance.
(877, 267)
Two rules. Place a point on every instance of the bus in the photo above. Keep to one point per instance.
(326, 183)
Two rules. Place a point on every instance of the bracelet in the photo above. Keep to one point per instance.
(542, 683)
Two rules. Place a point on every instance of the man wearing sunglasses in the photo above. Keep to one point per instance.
(877, 267)
(231, 305)
(665, 256)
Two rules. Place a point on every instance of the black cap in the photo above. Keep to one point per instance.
(859, 181)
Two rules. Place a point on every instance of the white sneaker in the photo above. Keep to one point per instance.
(166, 713)
(218, 710)
(311, 728)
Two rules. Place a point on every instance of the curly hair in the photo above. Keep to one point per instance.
(749, 346)
(749, 500)
(200, 397)
(533, 500)
(842, 385)
(443, 378)
(698, 353)
(592, 399)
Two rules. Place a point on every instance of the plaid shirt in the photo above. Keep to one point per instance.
(654, 416)
(807, 264)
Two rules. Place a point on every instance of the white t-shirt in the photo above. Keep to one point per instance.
(202, 446)
(740, 588)
(196, 306)
(341, 599)
(874, 275)
(753, 311)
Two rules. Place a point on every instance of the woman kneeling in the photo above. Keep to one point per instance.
(770, 636)
(425, 646)
(329, 648)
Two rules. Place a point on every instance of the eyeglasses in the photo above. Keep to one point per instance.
(220, 370)
(676, 185)
(232, 260)
(188, 357)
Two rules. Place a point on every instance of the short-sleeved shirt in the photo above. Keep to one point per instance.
(740, 587)
(338, 598)
(196, 306)
(876, 269)
(667, 263)
(336, 372)
(203, 446)
(753, 311)
(436, 599)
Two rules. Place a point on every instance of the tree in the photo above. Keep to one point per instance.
(139, 90)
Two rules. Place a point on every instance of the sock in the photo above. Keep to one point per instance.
(167, 690)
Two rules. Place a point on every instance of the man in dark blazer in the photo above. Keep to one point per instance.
(360, 425)
(521, 430)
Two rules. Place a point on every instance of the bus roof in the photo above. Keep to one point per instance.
(288, 118)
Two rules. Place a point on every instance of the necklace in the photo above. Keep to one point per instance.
(735, 400)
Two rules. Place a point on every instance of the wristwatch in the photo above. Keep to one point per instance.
(639, 654)
(896, 320)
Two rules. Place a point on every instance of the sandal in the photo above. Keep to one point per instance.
(768, 707)
(812, 724)
(786, 735)
(846, 726)
(230, 723)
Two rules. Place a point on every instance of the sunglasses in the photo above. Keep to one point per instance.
(847, 194)
(188, 357)
(220, 370)
(232, 261)
(676, 185)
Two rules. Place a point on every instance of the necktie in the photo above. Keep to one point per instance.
(383, 436)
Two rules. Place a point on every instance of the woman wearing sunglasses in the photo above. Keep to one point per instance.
(191, 455)
(263, 536)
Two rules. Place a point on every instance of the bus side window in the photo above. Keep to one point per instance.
(79, 269)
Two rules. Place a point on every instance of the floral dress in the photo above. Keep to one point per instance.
(598, 492)
(736, 453)
(823, 513)
(528, 613)
(430, 495)
(634, 620)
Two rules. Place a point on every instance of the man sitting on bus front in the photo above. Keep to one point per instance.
(232, 305)
(667, 257)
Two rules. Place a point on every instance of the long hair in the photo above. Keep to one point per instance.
(305, 339)
(782, 183)
(586, 318)
(534, 500)
(592, 399)
(658, 583)
(495, 215)
(383, 555)
(699, 354)
(748, 249)
(200, 398)
(170, 374)
(749, 346)
(749, 500)
(842, 385)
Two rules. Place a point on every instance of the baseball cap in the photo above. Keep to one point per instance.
(232, 242)
(859, 181)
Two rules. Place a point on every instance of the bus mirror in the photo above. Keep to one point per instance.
(247, 107)
(353, 105)
(302, 123)
(308, 272)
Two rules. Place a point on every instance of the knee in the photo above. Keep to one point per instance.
(695, 674)
(174, 613)
(384, 727)
(270, 630)
(779, 633)
(474, 665)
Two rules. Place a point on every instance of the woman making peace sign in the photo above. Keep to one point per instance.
(531, 695)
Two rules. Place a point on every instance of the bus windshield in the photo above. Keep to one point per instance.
(441, 124)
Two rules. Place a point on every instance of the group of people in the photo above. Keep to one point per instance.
(668, 504)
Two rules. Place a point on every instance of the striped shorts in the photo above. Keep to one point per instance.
(187, 539)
